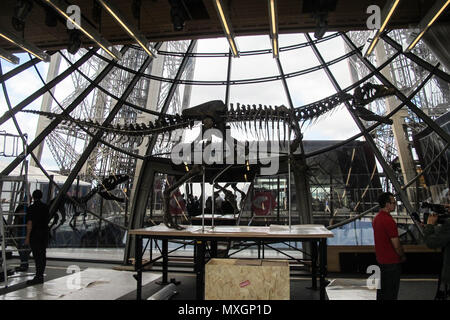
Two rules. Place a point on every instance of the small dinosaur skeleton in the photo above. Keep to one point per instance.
(77, 205)
(249, 118)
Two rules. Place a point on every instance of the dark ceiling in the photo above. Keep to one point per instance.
(248, 17)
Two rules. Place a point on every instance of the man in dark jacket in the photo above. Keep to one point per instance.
(438, 236)
(37, 235)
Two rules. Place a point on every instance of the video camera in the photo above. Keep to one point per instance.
(439, 209)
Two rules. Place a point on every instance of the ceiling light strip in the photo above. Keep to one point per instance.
(9, 57)
(226, 27)
(32, 49)
(86, 29)
(133, 32)
(426, 23)
(273, 17)
(386, 15)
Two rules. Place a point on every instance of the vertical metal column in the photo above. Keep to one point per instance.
(227, 91)
(139, 204)
(53, 70)
(303, 196)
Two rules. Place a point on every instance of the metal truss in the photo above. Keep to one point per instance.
(406, 71)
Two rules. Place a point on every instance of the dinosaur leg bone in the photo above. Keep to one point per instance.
(168, 219)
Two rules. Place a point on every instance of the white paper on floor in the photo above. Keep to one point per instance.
(90, 284)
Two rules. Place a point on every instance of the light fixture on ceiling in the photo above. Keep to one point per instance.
(132, 31)
(431, 16)
(74, 41)
(273, 16)
(226, 25)
(86, 29)
(386, 14)
(21, 12)
(38, 53)
(178, 14)
(321, 27)
(319, 11)
(9, 57)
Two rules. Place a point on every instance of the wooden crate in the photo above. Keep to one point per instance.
(240, 279)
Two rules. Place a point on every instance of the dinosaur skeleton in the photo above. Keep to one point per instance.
(215, 114)
(74, 204)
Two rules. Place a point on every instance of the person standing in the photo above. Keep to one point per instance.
(37, 234)
(20, 232)
(438, 236)
(388, 249)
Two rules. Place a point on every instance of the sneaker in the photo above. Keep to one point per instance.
(36, 281)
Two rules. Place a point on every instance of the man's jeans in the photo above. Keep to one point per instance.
(390, 281)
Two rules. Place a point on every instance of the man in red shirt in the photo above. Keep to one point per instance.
(388, 249)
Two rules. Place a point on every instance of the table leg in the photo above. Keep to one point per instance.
(165, 262)
(314, 264)
(213, 248)
(138, 265)
(200, 269)
(323, 267)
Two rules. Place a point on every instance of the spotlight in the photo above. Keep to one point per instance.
(177, 14)
(322, 26)
(319, 10)
(74, 41)
(21, 11)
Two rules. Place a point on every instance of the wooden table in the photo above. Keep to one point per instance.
(315, 234)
